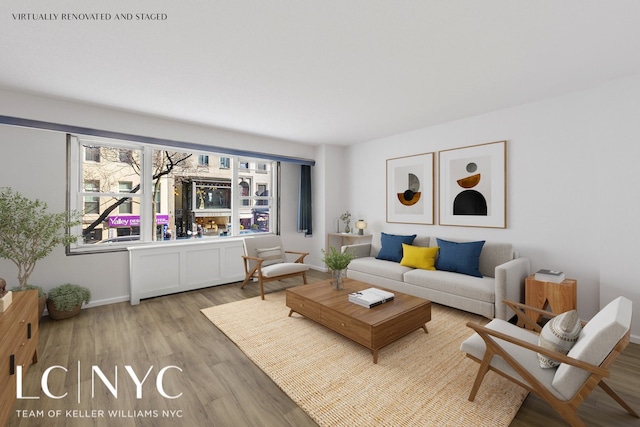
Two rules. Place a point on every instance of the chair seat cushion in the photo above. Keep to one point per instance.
(475, 346)
(283, 268)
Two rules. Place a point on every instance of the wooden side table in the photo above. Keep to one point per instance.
(559, 297)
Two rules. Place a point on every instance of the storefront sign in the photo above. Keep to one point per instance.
(134, 220)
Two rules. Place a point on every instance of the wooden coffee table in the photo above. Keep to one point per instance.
(374, 327)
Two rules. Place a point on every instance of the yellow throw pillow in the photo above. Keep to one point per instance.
(419, 257)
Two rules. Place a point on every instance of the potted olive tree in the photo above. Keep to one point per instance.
(66, 301)
(337, 262)
(28, 233)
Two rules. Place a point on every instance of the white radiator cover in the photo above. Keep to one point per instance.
(162, 269)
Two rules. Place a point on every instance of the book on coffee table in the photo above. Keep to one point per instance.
(370, 297)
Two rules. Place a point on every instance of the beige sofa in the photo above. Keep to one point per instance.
(502, 270)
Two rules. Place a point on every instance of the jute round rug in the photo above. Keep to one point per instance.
(420, 380)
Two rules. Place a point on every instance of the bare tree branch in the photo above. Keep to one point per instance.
(163, 168)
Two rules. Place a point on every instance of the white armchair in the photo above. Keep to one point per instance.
(512, 352)
(266, 260)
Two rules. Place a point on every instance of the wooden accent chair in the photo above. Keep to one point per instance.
(511, 351)
(266, 260)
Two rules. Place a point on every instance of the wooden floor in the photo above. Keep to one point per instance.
(219, 386)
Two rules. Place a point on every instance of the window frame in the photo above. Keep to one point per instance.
(144, 196)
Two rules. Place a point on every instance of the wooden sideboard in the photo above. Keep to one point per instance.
(18, 345)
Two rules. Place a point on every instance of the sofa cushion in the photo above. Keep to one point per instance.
(418, 257)
(377, 267)
(596, 340)
(392, 246)
(475, 288)
(559, 334)
(459, 257)
(494, 254)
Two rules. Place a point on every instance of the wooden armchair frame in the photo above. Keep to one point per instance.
(256, 271)
(566, 408)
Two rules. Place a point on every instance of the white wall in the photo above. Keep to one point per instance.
(572, 177)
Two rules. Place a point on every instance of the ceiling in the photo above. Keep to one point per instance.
(318, 71)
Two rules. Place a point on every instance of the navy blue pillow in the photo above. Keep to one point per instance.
(392, 246)
(461, 258)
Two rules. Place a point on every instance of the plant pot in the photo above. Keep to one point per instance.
(42, 301)
(337, 279)
(56, 314)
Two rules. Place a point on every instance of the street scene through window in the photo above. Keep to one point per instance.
(128, 193)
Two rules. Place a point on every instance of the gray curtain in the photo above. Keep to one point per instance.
(304, 201)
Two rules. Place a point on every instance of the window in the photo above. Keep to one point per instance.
(158, 199)
(262, 195)
(92, 203)
(125, 187)
(244, 188)
(125, 156)
(92, 154)
(139, 193)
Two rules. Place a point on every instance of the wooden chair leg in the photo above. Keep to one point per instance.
(304, 277)
(261, 288)
(482, 371)
(570, 416)
(618, 399)
(246, 280)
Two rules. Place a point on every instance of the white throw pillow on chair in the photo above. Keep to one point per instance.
(559, 334)
(270, 255)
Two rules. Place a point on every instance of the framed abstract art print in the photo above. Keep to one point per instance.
(410, 189)
(473, 185)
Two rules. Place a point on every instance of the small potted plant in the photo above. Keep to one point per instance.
(66, 300)
(337, 262)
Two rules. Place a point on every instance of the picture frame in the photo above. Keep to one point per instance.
(410, 185)
(473, 184)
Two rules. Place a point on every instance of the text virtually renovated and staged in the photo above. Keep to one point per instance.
(89, 16)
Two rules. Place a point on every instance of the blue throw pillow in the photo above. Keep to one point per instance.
(461, 258)
(392, 246)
